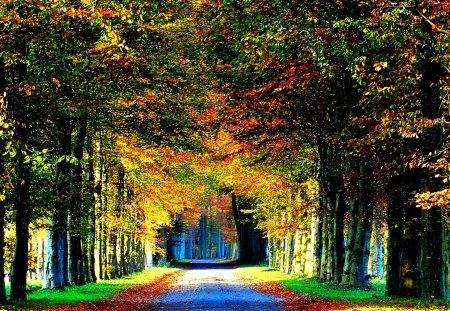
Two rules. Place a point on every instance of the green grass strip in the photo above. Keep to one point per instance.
(103, 289)
(363, 299)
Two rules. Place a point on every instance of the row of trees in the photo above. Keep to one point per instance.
(361, 89)
(84, 87)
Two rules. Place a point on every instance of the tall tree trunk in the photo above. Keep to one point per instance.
(411, 276)
(332, 184)
(2, 247)
(377, 249)
(351, 237)
(252, 244)
(98, 201)
(203, 236)
(338, 232)
(112, 256)
(395, 215)
(360, 262)
(119, 214)
(434, 260)
(317, 247)
(91, 236)
(3, 112)
(182, 254)
(359, 229)
(76, 213)
(104, 225)
(104, 254)
(324, 271)
(56, 254)
(19, 267)
(190, 242)
(123, 263)
(434, 272)
(132, 246)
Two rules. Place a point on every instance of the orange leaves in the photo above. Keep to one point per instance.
(223, 145)
(28, 89)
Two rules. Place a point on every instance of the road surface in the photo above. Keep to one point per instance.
(208, 285)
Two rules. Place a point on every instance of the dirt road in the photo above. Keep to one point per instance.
(211, 286)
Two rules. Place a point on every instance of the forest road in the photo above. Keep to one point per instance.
(208, 285)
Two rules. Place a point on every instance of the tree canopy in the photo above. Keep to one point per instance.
(120, 121)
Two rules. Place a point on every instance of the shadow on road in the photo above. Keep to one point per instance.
(205, 264)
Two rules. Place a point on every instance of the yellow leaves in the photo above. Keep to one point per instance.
(380, 65)
(427, 200)
(159, 193)
(2, 197)
(56, 82)
(223, 144)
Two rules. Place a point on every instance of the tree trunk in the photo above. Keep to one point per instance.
(2, 247)
(433, 266)
(19, 267)
(91, 235)
(434, 259)
(203, 236)
(112, 256)
(3, 111)
(76, 213)
(395, 215)
(377, 250)
(123, 263)
(332, 184)
(97, 224)
(411, 276)
(182, 248)
(190, 242)
(104, 226)
(324, 272)
(252, 244)
(128, 258)
(351, 237)
(317, 247)
(56, 255)
(338, 230)
(360, 230)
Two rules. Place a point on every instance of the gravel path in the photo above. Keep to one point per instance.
(211, 286)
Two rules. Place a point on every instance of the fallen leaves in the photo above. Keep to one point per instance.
(131, 299)
(296, 301)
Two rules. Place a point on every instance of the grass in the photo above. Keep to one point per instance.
(362, 299)
(103, 289)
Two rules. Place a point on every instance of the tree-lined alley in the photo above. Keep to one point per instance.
(136, 132)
